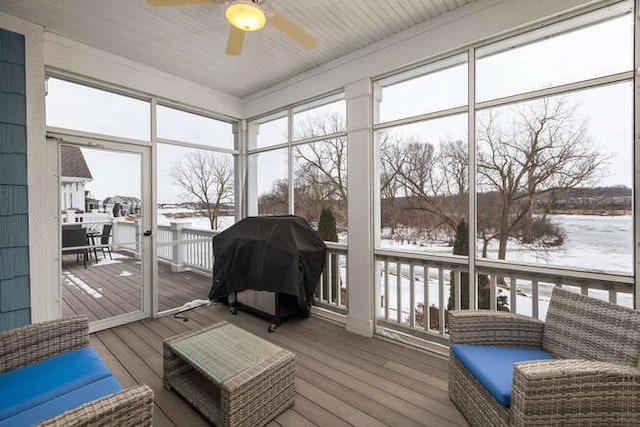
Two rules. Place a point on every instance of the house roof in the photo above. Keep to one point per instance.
(123, 200)
(73, 164)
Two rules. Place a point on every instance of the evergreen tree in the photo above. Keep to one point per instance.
(328, 232)
(327, 225)
(461, 247)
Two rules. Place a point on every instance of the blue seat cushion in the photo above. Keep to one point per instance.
(32, 385)
(492, 366)
(63, 403)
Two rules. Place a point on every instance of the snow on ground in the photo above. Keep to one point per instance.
(199, 222)
(105, 260)
(71, 279)
(524, 300)
(595, 243)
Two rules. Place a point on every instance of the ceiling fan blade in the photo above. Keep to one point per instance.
(235, 41)
(162, 3)
(293, 30)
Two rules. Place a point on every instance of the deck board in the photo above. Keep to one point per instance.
(118, 283)
(341, 379)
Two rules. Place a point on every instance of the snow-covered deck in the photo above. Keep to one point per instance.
(110, 288)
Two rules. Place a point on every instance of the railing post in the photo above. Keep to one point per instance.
(179, 250)
(116, 234)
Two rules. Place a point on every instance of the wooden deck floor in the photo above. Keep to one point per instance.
(341, 378)
(107, 289)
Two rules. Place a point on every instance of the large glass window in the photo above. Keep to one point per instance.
(554, 180)
(196, 198)
(326, 119)
(423, 184)
(180, 125)
(268, 132)
(536, 61)
(437, 87)
(423, 165)
(78, 107)
(195, 186)
(273, 184)
(317, 150)
(320, 170)
(553, 172)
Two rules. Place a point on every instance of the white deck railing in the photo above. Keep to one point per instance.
(188, 249)
(332, 291)
(404, 302)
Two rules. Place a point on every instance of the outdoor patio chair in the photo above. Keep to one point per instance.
(104, 239)
(50, 376)
(580, 366)
(75, 238)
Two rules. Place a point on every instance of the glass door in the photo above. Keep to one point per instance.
(195, 163)
(104, 223)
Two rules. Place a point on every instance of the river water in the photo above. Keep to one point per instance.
(593, 242)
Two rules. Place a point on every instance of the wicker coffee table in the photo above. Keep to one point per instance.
(232, 377)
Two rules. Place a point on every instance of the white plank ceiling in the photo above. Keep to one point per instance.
(189, 41)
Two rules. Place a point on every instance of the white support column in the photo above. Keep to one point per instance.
(360, 270)
(251, 174)
(472, 149)
(636, 169)
(240, 170)
(290, 161)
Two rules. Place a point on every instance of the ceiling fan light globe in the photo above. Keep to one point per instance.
(245, 16)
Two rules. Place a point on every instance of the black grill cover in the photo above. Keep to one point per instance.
(268, 253)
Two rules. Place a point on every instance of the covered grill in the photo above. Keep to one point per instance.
(279, 254)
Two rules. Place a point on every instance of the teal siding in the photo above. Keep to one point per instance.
(14, 219)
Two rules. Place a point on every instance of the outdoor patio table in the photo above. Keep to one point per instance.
(231, 376)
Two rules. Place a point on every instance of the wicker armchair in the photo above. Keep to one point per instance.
(34, 343)
(594, 378)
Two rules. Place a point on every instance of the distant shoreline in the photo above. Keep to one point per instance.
(595, 212)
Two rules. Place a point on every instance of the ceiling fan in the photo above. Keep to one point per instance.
(249, 15)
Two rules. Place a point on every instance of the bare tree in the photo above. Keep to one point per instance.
(390, 184)
(522, 162)
(321, 167)
(276, 202)
(208, 178)
(434, 183)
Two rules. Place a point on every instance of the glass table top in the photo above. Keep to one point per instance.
(224, 351)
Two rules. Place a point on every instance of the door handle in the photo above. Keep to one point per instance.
(147, 233)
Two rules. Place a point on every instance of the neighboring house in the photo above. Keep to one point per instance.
(91, 204)
(75, 174)
(127, 205)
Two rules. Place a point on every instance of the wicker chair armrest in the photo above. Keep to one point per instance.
(130, 407)
(501, 328)
(33, 343)
(570, 391)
